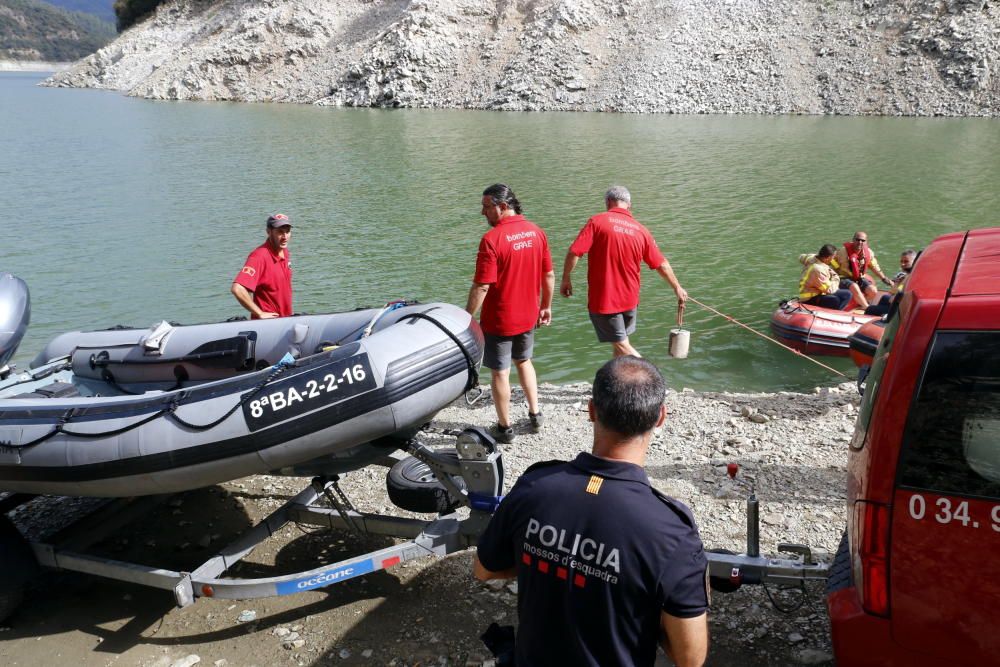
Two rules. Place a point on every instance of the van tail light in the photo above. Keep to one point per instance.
(874, 556)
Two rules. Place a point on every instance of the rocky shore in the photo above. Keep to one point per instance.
(31, 66)
(853, 57)
(792, 447)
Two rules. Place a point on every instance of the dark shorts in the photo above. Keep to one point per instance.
(845, 283)
(614, 328)
(838, 300)
(499, 350)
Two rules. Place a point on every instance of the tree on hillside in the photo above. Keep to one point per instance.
(102, 9)
(34, 30)
(130, 12)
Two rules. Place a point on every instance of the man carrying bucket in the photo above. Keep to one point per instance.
(617, 244)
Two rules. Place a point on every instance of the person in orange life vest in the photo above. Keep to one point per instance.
(819, 284)
(616, 245)
(264, 284)
(513, 285)
(852, 263)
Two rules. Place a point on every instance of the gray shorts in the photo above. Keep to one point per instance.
(501, 349)
(614, 328)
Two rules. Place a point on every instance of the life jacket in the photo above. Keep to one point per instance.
(858, 261)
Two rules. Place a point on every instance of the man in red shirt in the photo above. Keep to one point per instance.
(617, 245)
(264, 284)
(513, 268)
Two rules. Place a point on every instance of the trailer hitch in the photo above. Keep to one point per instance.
(728, 571)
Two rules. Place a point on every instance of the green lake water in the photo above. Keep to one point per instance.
(118, 210)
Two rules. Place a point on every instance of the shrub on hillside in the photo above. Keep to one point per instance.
(34, 30)
(130, 12)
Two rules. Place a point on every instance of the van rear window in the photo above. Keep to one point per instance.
(952, 439)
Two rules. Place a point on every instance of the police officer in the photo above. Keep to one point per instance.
(606, 566)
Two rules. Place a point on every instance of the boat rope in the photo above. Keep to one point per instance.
(766, 337)
(277, 370)
(67, 417)
(169, 410)
(473, 368)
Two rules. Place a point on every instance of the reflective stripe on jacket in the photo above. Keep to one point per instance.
(817, 278)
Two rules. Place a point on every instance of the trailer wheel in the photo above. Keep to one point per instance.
(840, 571)
(18, 565)
(412, 485)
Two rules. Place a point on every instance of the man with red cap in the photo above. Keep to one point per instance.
(264, 284)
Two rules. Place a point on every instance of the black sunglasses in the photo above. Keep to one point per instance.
(857, 240)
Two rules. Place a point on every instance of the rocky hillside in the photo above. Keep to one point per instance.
(31, 30)
(894, 57)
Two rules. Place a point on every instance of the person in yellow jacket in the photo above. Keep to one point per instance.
(819, 284)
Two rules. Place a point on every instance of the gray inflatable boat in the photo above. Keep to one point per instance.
(130, 412)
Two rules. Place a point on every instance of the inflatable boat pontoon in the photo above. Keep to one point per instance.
(815, 329)
(130, 412)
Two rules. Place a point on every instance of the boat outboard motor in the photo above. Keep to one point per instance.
(15, 313)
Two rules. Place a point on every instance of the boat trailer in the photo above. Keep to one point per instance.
(478, 464)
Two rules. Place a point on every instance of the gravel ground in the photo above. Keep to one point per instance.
(430, 612)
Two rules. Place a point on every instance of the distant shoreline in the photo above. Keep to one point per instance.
(32, 66)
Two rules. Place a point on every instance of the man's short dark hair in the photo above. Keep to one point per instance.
(827, 250)
(628, 394)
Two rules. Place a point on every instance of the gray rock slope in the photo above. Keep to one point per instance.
(892, 57)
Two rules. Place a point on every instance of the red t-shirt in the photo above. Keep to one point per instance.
(616, 243)
(513, 257)
(269, 277)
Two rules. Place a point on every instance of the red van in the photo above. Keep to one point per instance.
(917, 578)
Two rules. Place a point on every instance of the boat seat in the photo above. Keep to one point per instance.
(212, 359)
(53, 390)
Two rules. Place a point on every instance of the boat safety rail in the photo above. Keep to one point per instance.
(766, 337)
(389, 307)
(366, 329)
(39, 374)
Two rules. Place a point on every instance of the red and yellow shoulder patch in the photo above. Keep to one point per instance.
(594, 485)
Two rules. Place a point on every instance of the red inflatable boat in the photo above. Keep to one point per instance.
(864, 341)
(817, 330)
